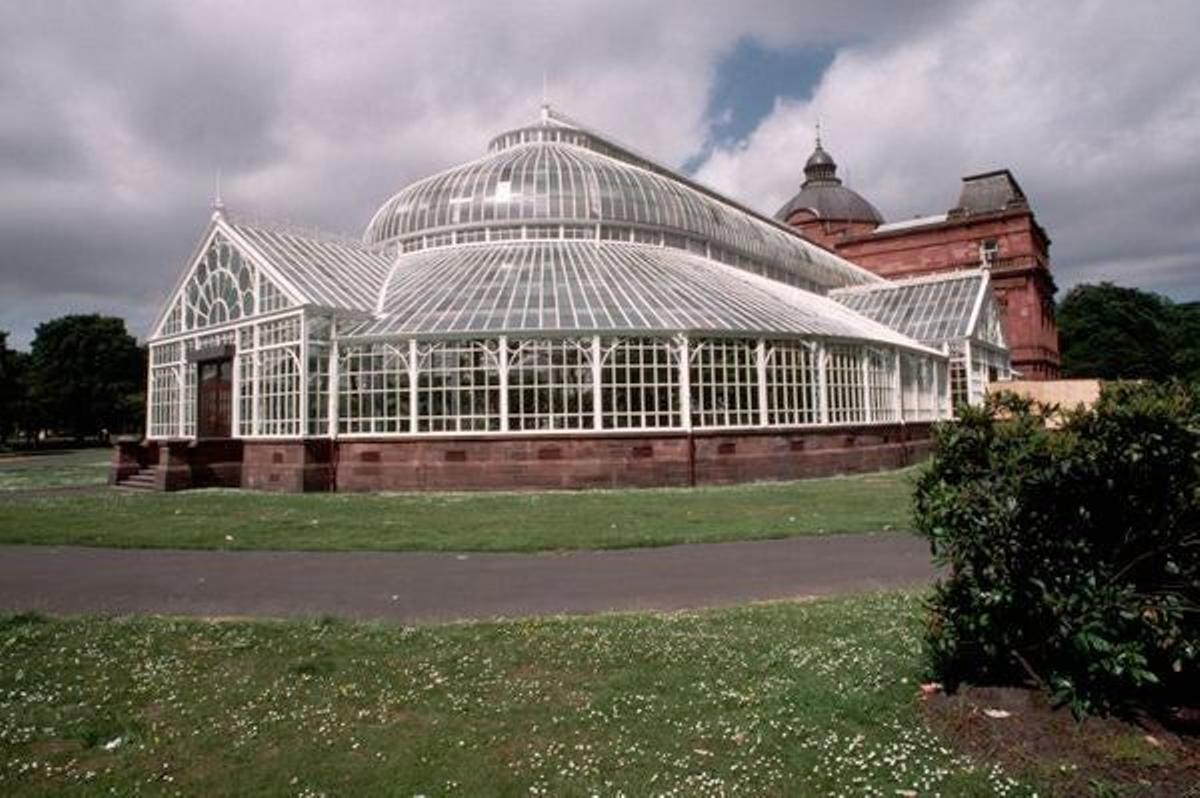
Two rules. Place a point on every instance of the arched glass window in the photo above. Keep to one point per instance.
(220, 289)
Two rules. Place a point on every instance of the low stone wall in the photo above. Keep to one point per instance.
(528, 462)
(647, 460)
(289, 465)
(1065, 393)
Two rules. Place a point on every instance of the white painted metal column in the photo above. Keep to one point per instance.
(898, 383)
(597, 386)
(236, 386)
(256, 371)
(865, 367)
(335, 388)
(685, 383)
(304, 375)
(149, 393)
(939, 406)
(970, 372)
(822, 384)
(761, 357)
(413, 373)
(502, 370)
(181, 380)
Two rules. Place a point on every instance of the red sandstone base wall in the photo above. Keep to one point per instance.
(530, 463)
(289, 466)
(650, 460)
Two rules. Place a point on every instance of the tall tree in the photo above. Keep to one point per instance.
(22, 415)
(87, 375)
(1111, 332)
(9, 388)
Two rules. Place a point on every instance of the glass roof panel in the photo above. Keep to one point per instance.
(331, 272)
(589, 286)
(930, 309)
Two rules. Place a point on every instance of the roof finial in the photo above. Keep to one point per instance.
(218, 204)
(818, 133)
(545, 100)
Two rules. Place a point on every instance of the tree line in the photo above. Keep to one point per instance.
(85, 375)
(1112, 332)
(83, 378)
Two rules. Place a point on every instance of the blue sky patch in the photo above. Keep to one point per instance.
(748, 80)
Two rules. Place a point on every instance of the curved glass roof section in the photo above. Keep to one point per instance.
(553, 287)
(556, 173)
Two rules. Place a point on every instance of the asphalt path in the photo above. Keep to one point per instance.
(414, 587)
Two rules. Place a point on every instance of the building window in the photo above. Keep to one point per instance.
(724, 383)
(845, 385)
(639, 384)
(550, 385)
(793, 382)
(989, 248)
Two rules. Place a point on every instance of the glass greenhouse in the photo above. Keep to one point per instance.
(560, 285)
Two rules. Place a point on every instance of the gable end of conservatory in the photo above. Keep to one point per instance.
(218, 226)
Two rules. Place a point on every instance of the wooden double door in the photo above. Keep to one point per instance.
(214, 398)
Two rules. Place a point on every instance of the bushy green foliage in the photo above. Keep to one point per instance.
(88, 376)
(1073, 553)
(1113, 332)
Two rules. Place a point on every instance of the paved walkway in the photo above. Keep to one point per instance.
(417, 586)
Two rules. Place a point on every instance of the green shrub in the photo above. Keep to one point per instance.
(1072, 554)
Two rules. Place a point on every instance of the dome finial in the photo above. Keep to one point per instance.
(218, 204)
(818, 133)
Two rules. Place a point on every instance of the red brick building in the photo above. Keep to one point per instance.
(992, 224)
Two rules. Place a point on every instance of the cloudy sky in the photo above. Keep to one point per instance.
(115, 118)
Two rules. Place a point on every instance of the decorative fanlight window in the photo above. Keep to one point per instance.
(221, 289)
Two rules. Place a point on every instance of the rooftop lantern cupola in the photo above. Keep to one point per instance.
(820, 169)
(822, 195)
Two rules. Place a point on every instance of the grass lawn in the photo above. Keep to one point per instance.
(54, 470)
(461, 522)
(784, 699)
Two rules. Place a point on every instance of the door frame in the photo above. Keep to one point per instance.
(197, 359)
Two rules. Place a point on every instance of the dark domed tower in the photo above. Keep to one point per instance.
(825, 211)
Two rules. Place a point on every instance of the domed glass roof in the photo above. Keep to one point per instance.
(560, 180)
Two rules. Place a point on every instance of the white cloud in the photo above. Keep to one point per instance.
(115, 117)
(1095, 107)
